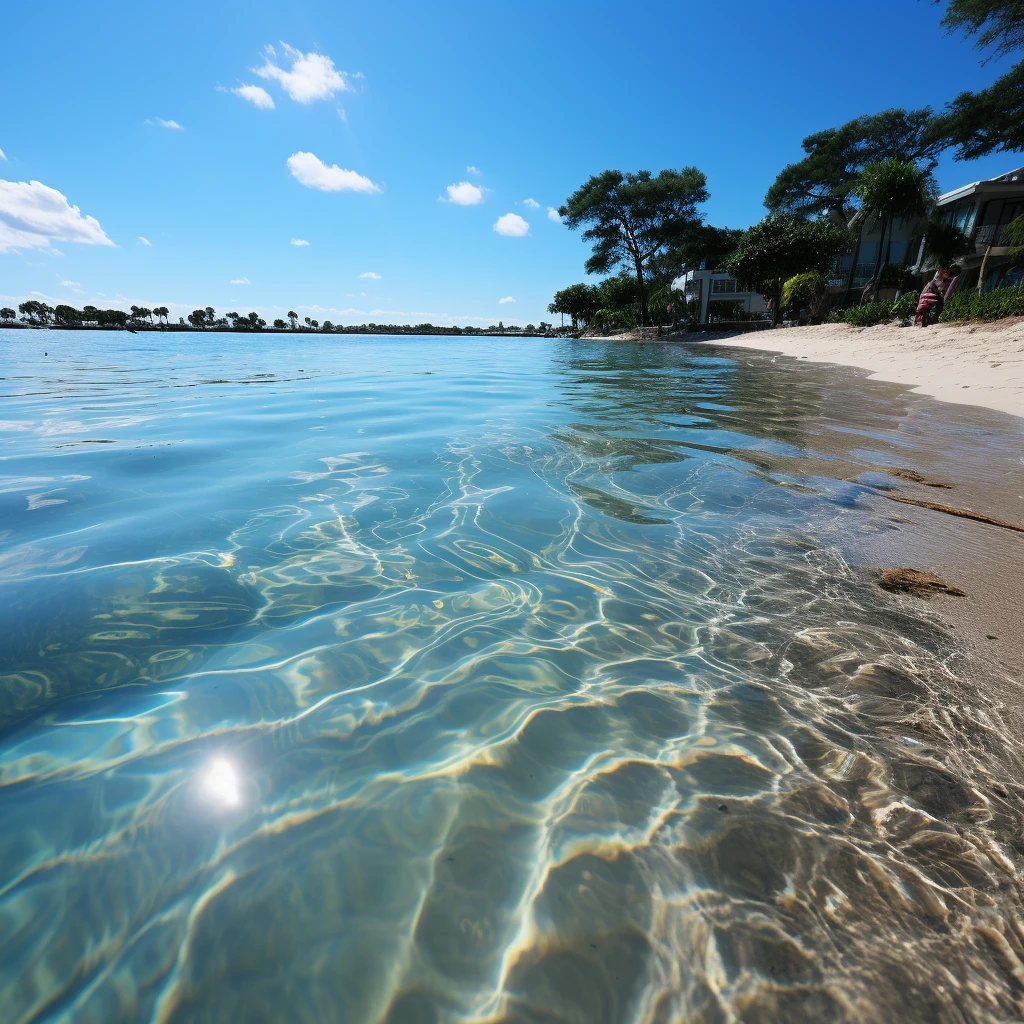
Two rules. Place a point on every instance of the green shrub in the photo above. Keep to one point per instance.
(968, 305)
(905, 305)
(1013, 237)
(869, 315)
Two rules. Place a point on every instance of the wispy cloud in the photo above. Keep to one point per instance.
(309, 170)
(32, 213)
(256, 95)
(173, 125)
(511, 225)
(370, 275)
(532, 204)
(470, 169)
(465, 193)
(505, 301)
(299, 241)
(240, 280)
(144, 241)
(554, 215)
(312, 76)
(71, 284)
(3, 155)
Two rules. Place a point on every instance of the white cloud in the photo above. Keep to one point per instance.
(71, 284)
(465, 193)
(470, 169)
(144, 241)
(299, 241)
(32, 213)
(554, 215)
(511, 225)
(532, 204)
(173, 125)
(312, 75)
(309, 170)
(256, 95)
(3, 155)
(505, 301)
(240, 280)
(370, 275)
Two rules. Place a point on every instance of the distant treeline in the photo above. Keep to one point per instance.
(39, 314)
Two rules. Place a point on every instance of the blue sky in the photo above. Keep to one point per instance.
(521, 101)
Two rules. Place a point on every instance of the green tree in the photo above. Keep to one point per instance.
(36, 312)
(889, 191)
(112, 318)
(7, 313)
(67, 314)
(992, 120)
(780, 247)
(162, 312)
(823, 183)
(579, 302)
(197, 318)
(293, 317)
(279, 325)
(631, 218)
(702, 244)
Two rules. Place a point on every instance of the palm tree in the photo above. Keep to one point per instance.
(889, 191)
(293, 316)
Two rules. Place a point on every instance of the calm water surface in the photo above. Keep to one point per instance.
(432, 680)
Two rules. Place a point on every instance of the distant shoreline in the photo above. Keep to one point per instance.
(381, 329)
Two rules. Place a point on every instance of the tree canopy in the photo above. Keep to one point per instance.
(823, 182)
(579, 302)
(996, 23)
(632, 217)
(780, 247)
(992, 120)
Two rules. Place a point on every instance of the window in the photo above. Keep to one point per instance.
(965, 217)
(726, 285)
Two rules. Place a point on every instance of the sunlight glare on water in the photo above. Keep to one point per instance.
(450, 680)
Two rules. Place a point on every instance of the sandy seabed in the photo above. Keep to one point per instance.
(967, 363)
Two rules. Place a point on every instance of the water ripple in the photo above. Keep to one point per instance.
(546, 686)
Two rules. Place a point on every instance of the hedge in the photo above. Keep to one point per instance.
(968, 305)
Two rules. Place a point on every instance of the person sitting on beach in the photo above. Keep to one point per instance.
(934, 295)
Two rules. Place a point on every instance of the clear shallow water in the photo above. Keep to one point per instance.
(432, 680)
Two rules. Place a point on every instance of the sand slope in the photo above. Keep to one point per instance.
(972, 364)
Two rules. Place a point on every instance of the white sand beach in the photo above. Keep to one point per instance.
(971, 364)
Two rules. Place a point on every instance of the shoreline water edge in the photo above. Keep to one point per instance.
(979, 364)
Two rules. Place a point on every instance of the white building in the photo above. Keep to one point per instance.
(982, 210)
(718, 296)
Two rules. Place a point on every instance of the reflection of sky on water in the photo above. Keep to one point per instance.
(533, 686)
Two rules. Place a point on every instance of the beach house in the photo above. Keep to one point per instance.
(714, 296)
(982, 210)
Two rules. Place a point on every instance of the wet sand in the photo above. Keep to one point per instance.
(966, 363)
(970, 459)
